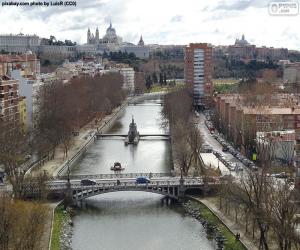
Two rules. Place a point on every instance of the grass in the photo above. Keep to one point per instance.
(225, 81)
(59, 217)
(159, 88)
(231, 243)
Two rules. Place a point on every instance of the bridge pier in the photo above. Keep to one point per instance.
(166, 200)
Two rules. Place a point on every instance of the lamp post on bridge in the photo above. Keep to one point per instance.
(181, 176)
(68, 197)
(181, 188)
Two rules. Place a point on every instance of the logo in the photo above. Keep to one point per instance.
(284, 8)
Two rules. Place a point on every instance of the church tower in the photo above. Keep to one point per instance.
(97, 35)
(141, 42)
(88, 36)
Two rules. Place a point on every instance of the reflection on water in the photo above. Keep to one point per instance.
(133, 220)
(136, 220)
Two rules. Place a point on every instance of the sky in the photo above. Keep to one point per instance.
(218, 22)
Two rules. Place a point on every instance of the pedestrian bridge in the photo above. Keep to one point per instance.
(172, 187)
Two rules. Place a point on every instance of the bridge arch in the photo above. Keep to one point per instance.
(171, 192)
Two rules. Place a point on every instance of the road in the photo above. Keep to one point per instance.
(208, 139)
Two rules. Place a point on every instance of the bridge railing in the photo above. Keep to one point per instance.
(111, 184)
(114, 176)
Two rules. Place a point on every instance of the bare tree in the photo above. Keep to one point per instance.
(252, 192)
(13, 151)
(282, 210)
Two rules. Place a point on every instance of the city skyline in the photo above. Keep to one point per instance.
(160, 22)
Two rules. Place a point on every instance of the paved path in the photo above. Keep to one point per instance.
(233, 227)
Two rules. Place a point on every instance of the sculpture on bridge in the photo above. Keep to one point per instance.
(133, 135)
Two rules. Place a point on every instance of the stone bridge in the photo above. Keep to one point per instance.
(172, 187)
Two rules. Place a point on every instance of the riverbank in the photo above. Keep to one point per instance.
(62, 228)
(216, 229)
(231, 225)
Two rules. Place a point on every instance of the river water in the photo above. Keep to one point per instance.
(134, 220)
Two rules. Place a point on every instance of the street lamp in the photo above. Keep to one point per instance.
(181, 177)
(68, 174)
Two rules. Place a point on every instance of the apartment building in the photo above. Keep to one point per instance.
(128, 78)
(242, 123)
(9, 101)
(198, 73)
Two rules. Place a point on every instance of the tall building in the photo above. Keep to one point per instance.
(198, 73)
(9, 101)
(128, 78)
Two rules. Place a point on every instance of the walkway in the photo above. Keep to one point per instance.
(230, 223)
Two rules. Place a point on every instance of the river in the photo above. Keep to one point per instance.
(134, 220)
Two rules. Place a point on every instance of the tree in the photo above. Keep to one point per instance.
(65, 108)
(154, 77)
(161, 79)
(252, 192)
(282, 210)
(165, 79)
(148, 82)
(139, 83)
(13, 151)
(21, 224)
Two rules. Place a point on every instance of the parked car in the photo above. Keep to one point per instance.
(87, 182)
(206, 148)
(142, 180)
(225, 149)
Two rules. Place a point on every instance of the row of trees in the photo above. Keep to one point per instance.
(186, 137)
(65, 108)
(266, 204)
(225, 67)
(21, 224)
(62, 110)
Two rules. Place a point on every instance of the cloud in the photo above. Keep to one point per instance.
(176, 18)
(241, 4)
(218, 22)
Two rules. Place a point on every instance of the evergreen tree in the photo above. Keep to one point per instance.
(161, 79)
(154, 77)
(148, 82)
(165, 79)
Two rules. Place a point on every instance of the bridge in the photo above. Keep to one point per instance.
(160, 183)
(125, 135)
(141, 104)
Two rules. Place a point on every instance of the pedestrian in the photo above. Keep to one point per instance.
(237, 236)
(118, 182)
(150, 175)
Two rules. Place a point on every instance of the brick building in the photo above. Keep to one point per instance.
(242, 123)
(198, 72)
(9, 101)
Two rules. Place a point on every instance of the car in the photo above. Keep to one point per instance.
(281, 175)
(253, 167)
(238, 168)
(142, 180)
(87, 182)
(206, 148)
(231, 150)
(217, 154)
(225, 149)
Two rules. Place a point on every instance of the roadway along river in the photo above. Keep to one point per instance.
(133, 220)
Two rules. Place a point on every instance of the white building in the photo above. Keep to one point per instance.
(291, 73)
(19, 43)
(128, 78)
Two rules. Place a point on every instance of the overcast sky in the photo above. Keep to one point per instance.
(159, 21)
